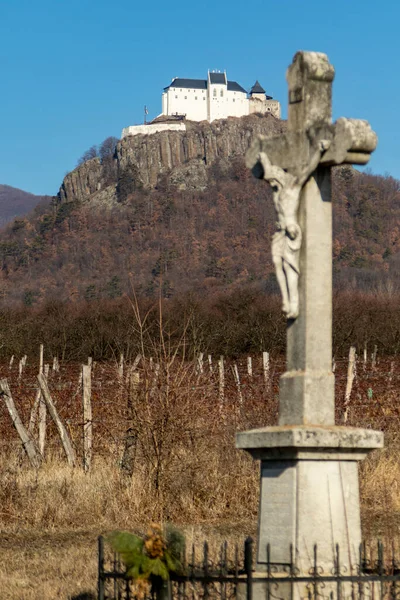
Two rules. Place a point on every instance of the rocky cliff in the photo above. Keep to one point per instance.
(140, 162)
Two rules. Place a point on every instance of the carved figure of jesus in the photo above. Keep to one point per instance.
(286, 242)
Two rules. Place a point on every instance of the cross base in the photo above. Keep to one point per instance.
(309, 491)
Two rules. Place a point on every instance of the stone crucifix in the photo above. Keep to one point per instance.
(288, 162)
(309, 477)
(297, 165)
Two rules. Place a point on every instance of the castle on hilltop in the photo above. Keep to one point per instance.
(206, 100)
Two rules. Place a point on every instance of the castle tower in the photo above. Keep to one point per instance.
(260, 102)
(217, 85)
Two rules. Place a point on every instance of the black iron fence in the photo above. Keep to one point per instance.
(230, 574)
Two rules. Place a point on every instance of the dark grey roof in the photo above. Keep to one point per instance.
(257, 89)
(235, 87)
(217, 78)
(194, 84)
(201, 84)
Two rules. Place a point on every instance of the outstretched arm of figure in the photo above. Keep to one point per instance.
(323, 146)
(271, 171)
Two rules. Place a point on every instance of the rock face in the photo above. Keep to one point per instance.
(140, 161)
(81, 183)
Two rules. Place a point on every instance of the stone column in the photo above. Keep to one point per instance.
(307, 388)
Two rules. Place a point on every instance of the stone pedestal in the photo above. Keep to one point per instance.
(309, 492)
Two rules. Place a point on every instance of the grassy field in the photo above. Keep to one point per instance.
(183, 467)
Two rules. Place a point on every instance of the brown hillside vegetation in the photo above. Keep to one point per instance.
(15, 203)
(197, 222)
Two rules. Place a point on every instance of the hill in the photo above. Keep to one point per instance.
(15, 203)
(180, 211)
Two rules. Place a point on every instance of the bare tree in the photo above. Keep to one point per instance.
(92, 152)
(107, 148)
(106, 153)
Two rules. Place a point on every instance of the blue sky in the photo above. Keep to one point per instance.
(74, 72)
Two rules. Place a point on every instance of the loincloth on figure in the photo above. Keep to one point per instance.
(286, 249)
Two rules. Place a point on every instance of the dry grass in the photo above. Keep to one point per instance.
(48, 566)
(185, 469)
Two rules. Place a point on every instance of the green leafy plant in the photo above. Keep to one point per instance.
(152, 557)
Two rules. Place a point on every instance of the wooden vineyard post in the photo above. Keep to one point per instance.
(32, 419)
(26, 438)
(237, 381)
(351, 369)
(66, 442)
(221, 381)
(56, 364)
(22, 365)
(35, 407)
(265, 362)
(249, 367)
(200, 363)
(42, 414)
(373, 357)
(87, 416)
(121, 366)
(129, 454)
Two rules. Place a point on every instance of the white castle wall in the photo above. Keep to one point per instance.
(259, 105)
(201, 105)
(224, 103)
(154, 128)
(183, 101)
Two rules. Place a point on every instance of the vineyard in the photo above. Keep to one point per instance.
(162, 432)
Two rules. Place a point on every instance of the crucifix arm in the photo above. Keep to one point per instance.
(323, 146)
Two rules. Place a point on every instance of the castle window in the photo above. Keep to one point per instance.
(203, 98)
(195, 97)
(234, 100)
(185, 97)
(221, 93)
(176, 96)
(215, 92)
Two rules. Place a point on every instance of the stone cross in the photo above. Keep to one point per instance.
(298, 166)
(309, 467)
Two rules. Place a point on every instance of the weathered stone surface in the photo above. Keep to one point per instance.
(204, 142)
(277, 524)
(190, 176)
(309, 502)
(309, 80)
(178, 155)
(309, 490)
(81, 183)
(340, 439)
